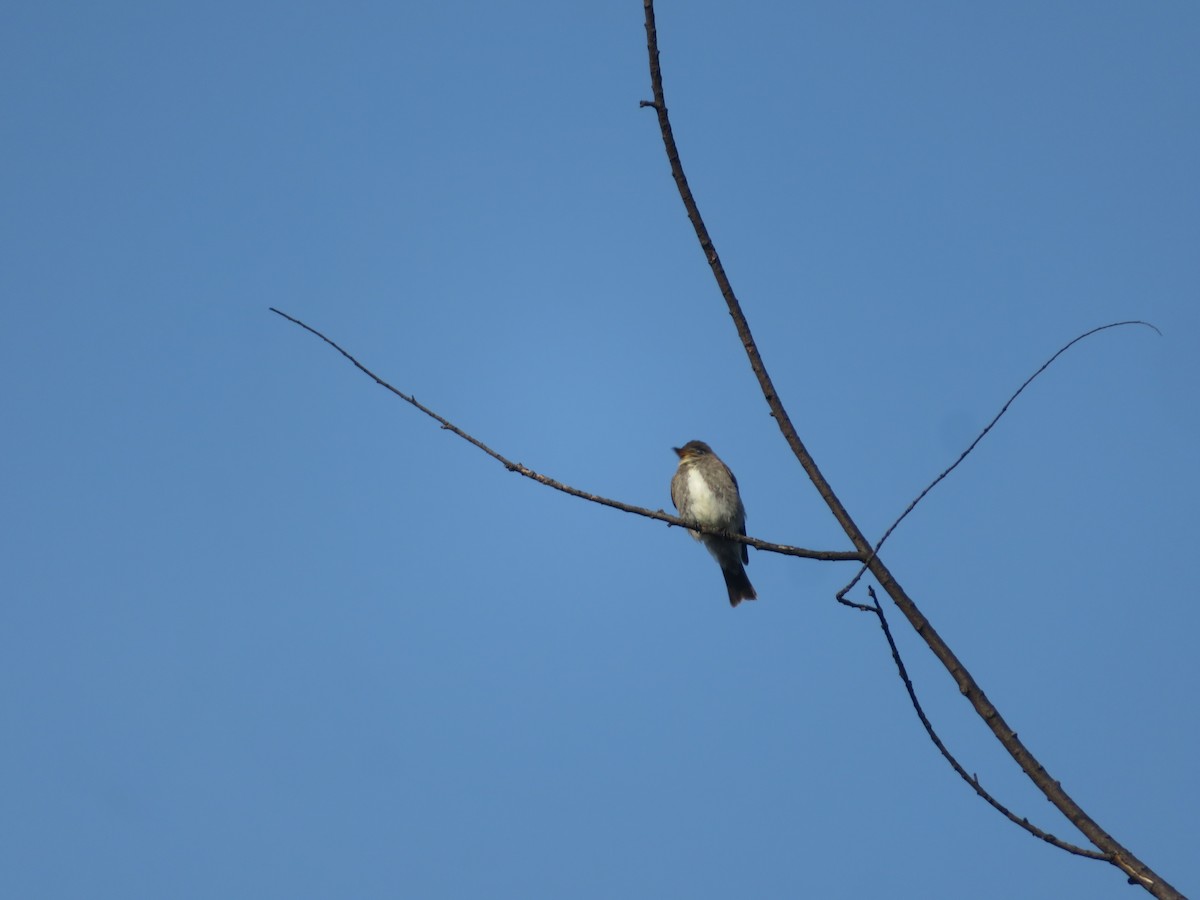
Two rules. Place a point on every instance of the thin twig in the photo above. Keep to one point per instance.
(784, 549)
(972, 780)
(1017, 393)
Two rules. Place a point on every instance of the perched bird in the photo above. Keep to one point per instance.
(705, 491)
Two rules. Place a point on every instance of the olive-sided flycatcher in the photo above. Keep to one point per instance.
(705, 491)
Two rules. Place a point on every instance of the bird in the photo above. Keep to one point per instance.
(704, 491)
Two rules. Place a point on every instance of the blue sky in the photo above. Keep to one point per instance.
(271, 633)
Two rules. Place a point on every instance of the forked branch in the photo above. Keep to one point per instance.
(1111, 850)
(972, 780)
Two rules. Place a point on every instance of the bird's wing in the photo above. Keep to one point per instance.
(677, 489)
(741, 522)
(732, 477)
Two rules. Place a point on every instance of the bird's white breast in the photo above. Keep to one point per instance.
(704, 506)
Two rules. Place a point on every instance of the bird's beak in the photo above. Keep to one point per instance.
(680, 452)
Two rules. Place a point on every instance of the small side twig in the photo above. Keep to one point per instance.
(996, 418)
(973, 780)
(519, 468)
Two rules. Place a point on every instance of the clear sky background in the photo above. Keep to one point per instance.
(269, 632)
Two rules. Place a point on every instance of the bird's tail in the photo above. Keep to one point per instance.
(738, 583)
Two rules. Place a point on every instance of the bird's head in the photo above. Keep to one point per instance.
(692, 450)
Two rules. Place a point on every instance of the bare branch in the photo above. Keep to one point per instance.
(784, 549)
(1017, 393)
(659, 104)
(972, 780)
